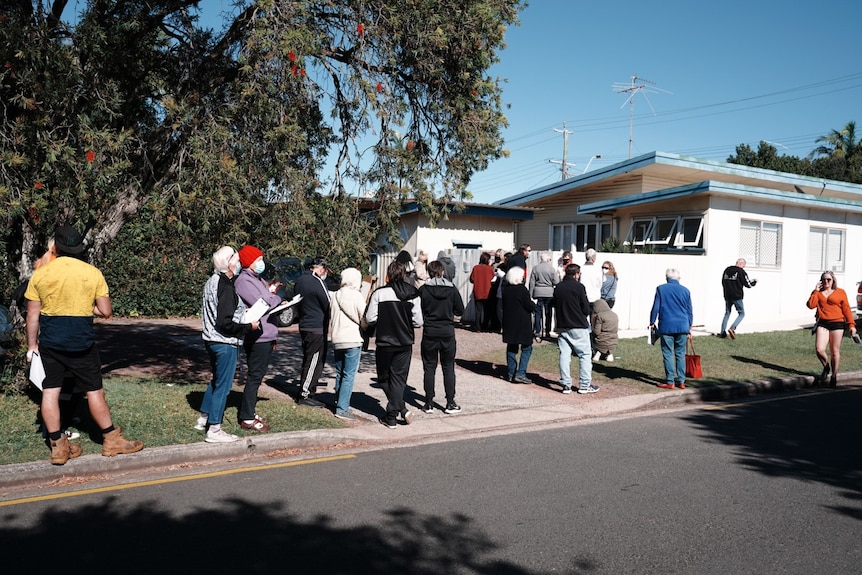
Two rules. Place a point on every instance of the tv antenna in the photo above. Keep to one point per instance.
(637, 85)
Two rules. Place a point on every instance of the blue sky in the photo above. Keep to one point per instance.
(738, 71)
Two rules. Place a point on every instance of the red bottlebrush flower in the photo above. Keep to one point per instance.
(91, 156)
(474, 92)
(293, 69)
(32, 212)
(410, 145)
(38, 185)
(360, 29)
(379, 87)
(302, 72)
(291, 56)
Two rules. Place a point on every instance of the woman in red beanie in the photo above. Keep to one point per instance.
(258, 344)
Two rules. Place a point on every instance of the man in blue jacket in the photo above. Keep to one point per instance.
(673, 311)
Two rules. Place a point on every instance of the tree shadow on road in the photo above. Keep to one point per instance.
(813, 438)
(239, 536)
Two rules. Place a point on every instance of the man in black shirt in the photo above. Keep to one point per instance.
(733, 280)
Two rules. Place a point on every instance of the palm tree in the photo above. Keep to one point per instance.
(839, 144)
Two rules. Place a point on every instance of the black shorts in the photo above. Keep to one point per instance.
(831, 325)
(84, 366)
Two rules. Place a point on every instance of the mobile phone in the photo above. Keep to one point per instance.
(857, 340)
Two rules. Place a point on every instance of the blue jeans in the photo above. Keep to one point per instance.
(544, 309)
(740, 310)
(346, 366)
(223, 363)
(673, 352)
(514, 369)
(575, 341)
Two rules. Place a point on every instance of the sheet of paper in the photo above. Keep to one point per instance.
(37, 370)
(286, 304)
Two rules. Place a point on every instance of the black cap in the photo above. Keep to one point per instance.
(67, 240)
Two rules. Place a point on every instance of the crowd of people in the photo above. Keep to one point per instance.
(572, 303)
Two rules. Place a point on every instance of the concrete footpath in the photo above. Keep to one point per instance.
(490, 406)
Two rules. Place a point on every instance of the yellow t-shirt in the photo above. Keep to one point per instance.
(68, 289)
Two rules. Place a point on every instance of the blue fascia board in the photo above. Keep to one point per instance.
(483, 210)
(724, 189)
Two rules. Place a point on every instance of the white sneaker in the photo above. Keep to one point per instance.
(201, 423)
(597, 356)
(610, 357)
(220, 436)
(71, 434)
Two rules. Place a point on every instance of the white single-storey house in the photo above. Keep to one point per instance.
(462, 233)
(699, 216)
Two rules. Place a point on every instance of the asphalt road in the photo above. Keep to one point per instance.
(771, 485)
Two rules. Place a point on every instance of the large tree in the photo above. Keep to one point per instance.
(132, 103)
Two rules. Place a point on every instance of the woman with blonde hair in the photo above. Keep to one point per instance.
(833, 315)
(609, 283)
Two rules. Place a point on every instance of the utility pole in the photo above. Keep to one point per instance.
(564, 164)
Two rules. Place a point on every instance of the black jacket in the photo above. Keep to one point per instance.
(733, 280)
(518, 310)
(441, 302)
(315, 304)
(571, 305)
(395, 310)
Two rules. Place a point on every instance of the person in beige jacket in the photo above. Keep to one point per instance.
(348, 307)
(605, 327)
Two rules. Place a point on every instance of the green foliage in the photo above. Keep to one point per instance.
(612, 245)
(224, 134)
(839, 157)
(153, 272)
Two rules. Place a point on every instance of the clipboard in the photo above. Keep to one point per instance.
(261, 308)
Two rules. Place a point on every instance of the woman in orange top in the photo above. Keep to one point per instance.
(833, 313)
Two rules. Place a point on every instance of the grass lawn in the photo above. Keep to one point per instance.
(154, 411)
(751, 357)
(162, 413)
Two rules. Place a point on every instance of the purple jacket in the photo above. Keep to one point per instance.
(251, 288)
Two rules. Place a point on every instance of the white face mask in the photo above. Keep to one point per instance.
(236, 268)
(259, 267)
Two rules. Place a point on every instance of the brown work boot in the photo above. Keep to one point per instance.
(62, 451)
(115, 444)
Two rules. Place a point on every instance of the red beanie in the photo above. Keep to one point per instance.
(248, 254)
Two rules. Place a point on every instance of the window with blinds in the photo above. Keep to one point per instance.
(760, 243)
(825, 249)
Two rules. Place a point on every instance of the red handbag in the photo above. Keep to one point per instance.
(693, 368)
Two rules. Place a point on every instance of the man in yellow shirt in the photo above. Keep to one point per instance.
(63, 295)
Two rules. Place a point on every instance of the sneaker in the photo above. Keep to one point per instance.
(597, 356)
(452, 407)
(731, 332)
(537, 338)
(610, 358)
(407, 417)
(390, 424)
(201, 424)
(71, 434)
(522, 379)
(681, 385)
(666, 385)
(309, 402)
(429, 407)
(588, 389)
(220, 436)
(567, 389)
(254, 425)
(345, 415)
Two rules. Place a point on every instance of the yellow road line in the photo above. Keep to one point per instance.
(171, 480)
(783, 398)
